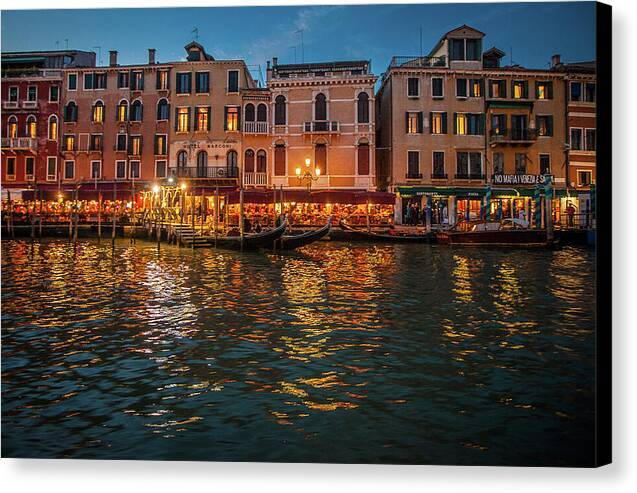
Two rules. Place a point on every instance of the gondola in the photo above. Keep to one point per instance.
(387, 237)
(506, 233)
(290, 242)
(254, 241)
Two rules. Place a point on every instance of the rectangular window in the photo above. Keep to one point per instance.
(202, 82)
(134, 169)
(184, 81)
(96, 170)
(69, 170)
(183, 119)
(29, 167)
(71, 82)
(279, 160)
(475, 88)
(469, 165)
(122, 80)
(590, 139)
(13, 94)
(202, 118)
(437, 88)
(584, 178)
(576, 91)
(519, 89)
(233, 81)
(474, 49)
(160, 169)
(475, 124)
(520, 163)
(161, 144)
(462, 164)
(544, 125)
(545, 164)
(96, 142)
(413, 87)
(461, 88)
(475, 165)
(460, 124)
(576, 139)
(120, 170)
(51, 168)
(497, 89)
(88, 81)
(544, 90)
(456, 51)
(54, 94)
(135, 145)
(100, 81)
(122, 142)
(413, 164)
(11, 168)
(137, 81)
(414, 122)
(438, 164)
(32, 93)
(498, 163)
(69, 142)
(232, 118)
(320, 158)
(162, 80)
(498, 124)
(589, 94)
(438, 123)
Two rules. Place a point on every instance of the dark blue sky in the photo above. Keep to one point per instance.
(534, 31)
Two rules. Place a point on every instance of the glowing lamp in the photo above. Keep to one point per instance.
(298, 171)
(183, 186)
(307, 161)
(318, 171)
(155, 188)
(171, 179)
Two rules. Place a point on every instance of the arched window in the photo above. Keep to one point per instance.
(231, 164)
(31, 127)
(249, 112)
(136, 111)
(122, 111)
(202, 164)
(279, 110)
(182, 162)
(262, 113)
(12, 127)
(279, 159)
(262, 162)
(363, 108)
(53, 128)
(248, 161)
(163, 109)
(70, 112)
(98, 112)
(320, 107)
(363, 158)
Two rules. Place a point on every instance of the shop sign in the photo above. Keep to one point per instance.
(519, 179)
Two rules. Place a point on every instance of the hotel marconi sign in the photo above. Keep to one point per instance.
(519, 179)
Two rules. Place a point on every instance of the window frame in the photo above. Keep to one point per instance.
(14, 160)
(433, 164)
(29, 176)
(130, 169)
(585, 139)
(417, 95)
(51, 87)
(64, 174)
(207, 91)
(539, 162)
(586, 172)
(570, 138)
(442, 86)
(228, 91)
(68, 81)
(413, 176)
(117, 162)
(99, 176)
(165, 161)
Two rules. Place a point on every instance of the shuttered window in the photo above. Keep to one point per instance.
(279, 160)
(363, 159)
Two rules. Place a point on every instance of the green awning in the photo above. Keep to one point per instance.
(9, 60)
(471, 192)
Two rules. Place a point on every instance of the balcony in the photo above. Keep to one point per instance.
(204, 172)
(418, 61)
(255, 127)
(29, 104)
(255, 179)
(321, 127)
(469, 176)
(512, 136)
(9, 105)
(21, 143)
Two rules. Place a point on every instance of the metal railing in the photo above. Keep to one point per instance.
(19, 143)
(255, 179)
(8, 105)
(321, 127)
(255, 127)
(204, 172)
(513, 135)
(418, 61)
(29, 104)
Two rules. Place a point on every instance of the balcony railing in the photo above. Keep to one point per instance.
(204, 172)
(29, 104)
(418, 61)
(19, 143)
(469, 176)
(321, 127)
(8, 105)
(255, 179)
(255, 127)
(513, 135)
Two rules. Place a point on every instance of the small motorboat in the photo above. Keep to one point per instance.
(505, 233)
(253, 241)
(292, 241)
(392, 236)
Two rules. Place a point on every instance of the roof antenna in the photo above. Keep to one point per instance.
(420, 41)
(66, 40)
(302, 45)
(57, 45)
(99, 48)
(195, 31)
(294, 48)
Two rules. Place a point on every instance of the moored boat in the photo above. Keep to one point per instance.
(290, 242)
(391, 235)
(506, 233)
(254, 241)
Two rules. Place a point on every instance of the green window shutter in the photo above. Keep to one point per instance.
(176, 118)
(431, 119)
(455, 123)
(444, 122)
(225, 118)
(550, 90)
(549, 125)
(209, 117)
(420, 125)
(190, 123)
(490, 88)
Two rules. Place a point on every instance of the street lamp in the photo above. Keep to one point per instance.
(307, 174)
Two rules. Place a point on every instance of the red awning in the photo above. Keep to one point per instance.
(314, 197)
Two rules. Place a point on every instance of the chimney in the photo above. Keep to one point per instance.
(112, 57)
(556, 60)
(275, 61)
(268, 72)
(151, 56)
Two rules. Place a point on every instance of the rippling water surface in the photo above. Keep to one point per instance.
(336, 353)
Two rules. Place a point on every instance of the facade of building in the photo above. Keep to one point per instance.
(454, 122)
(322, 125)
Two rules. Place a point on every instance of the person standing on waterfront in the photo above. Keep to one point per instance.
(570, 212)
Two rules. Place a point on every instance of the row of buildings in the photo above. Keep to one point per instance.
(436, 128)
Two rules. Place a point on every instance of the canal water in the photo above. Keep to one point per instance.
(336, 353)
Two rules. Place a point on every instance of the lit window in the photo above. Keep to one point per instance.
(438, 123)
(137, 81)
(53, 128)
(31, 127)
(122, 111)
(461, 124)
(202, 118)
(160, 145)
(12, 127)
(414, 124)
(135, 145)
(476, 88)
(519, 89)
(98, 112)
(162, 80)
(232, 118)
(544, 125)
(544, 90)
(183, 119)
(69, 142)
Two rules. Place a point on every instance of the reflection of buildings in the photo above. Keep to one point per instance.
(456, 120)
